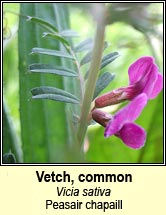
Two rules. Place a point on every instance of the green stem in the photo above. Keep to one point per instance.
(93, 74)
(78, 70)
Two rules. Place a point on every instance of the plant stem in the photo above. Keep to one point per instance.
(93, 74)
(78, 70)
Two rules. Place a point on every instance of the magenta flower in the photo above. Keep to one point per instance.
(132, 135)
(144, 77)
(121, 124)
(145, 82)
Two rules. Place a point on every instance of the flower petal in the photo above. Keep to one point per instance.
(157, 86)
(127, 114)
(139, 68)
(148, 82)
(132, 135)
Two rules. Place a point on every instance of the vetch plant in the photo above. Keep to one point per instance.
(60, 89)
(83, 89)
(145, 82)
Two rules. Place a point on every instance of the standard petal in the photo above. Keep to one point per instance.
(127, 114)
(157, 86)
(148, 82)
(132, 135)
(139, 68)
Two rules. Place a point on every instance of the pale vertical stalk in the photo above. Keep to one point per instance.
(93, 73)
(152, 47)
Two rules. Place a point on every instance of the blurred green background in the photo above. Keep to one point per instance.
(131, 41)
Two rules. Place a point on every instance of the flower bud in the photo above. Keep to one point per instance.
(101, 117)
(111, 98)
(117, 96)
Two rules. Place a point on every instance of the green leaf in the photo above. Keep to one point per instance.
(84, 45)
(50, 52)
(57, 70)
(53, 90)
(87, 58)
(69, 33)
(56, 98)
(107, 59)
(57, 37)
(103, 81)
(43, 23)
